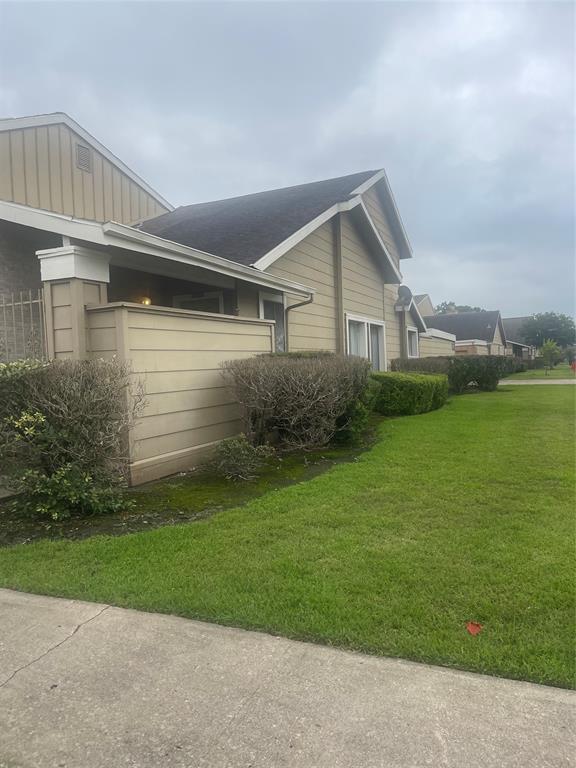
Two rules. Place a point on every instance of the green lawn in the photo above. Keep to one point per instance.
(561, 371)
(461, 514)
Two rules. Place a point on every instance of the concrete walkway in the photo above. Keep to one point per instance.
(90, 686)
(530, 382)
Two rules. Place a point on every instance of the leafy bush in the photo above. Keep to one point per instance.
(298, 400)
(67, 492)
(406, 394)
(237, 459)
(463, 371)
(61, 423)
(15, 381)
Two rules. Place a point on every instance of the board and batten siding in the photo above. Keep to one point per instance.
(177, 354)
(381, 221)
(38, 168)
(311, 262)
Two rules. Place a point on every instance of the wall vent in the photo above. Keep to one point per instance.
(83, 158)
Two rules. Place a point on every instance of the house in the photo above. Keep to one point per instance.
(516, 344)
(477, 333)
(111, 268)
(434, 342)
(424, 304)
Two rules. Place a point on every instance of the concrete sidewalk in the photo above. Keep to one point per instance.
(530, 382)
(90, 686)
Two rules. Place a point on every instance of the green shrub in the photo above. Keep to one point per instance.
(463, 371)
(299, 400)
(66, 493)
(61, 423)
(237, 459)
(16, 378)
(406, 394)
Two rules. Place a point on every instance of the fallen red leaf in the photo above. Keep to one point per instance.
(473, 627)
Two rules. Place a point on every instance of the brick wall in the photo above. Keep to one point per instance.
(19, 266)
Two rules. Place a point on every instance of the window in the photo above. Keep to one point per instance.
(83, 158)
(212, 301)
(366, 339)
(272, 308)
(413, 342)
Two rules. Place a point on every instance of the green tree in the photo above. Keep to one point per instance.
(551, 354)
(450, 308)
(549, 326)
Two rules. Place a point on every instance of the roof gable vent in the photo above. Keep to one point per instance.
(83, 158)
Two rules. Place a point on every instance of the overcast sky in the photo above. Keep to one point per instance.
(468, 106)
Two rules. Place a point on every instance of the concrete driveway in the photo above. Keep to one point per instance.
(90, 686)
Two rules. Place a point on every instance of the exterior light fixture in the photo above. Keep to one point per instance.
(146, 301)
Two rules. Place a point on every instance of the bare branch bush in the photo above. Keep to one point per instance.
(296, 401)
(77, 413)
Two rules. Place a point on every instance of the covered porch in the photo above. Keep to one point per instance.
(175, 322)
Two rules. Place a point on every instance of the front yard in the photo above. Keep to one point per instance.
(463, 514)
(560, 371)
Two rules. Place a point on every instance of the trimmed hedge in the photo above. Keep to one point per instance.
(406, 394)
(463, 371)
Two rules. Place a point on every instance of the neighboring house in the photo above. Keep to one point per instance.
(434, 341)
(424, 304)
(311, 267)
(477, 333)
(516, 344)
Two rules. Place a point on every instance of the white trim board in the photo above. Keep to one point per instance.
(269, 258)
(372, 181)
(412, 329)
(436, 333)
(61, 118)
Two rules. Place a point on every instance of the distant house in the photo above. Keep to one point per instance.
(433, 341)
(477, 333)
(424, 304)
(516, 344)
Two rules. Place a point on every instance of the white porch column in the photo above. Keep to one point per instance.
(72, 277)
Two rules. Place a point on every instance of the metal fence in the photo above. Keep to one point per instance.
(22, 328)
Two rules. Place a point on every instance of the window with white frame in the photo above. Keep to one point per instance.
(272, 308)
(413, 342)
(366, 339)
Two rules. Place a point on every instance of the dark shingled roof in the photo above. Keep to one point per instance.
(467, 325)
(243, 229)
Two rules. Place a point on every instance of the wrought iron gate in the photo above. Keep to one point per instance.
(22, 329)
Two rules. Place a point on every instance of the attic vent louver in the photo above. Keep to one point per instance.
(83, 158)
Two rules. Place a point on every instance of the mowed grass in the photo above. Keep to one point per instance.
(464, 514)
(560, 371)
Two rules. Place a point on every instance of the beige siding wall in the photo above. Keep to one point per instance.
(177, 355)
(471, 349)
(498, 347)
(311, 263)
(362, 281)
(435, 347)
(425, 306)
(38, 168)
(381, 221)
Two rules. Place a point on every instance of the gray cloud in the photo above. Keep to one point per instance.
(469, 106)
